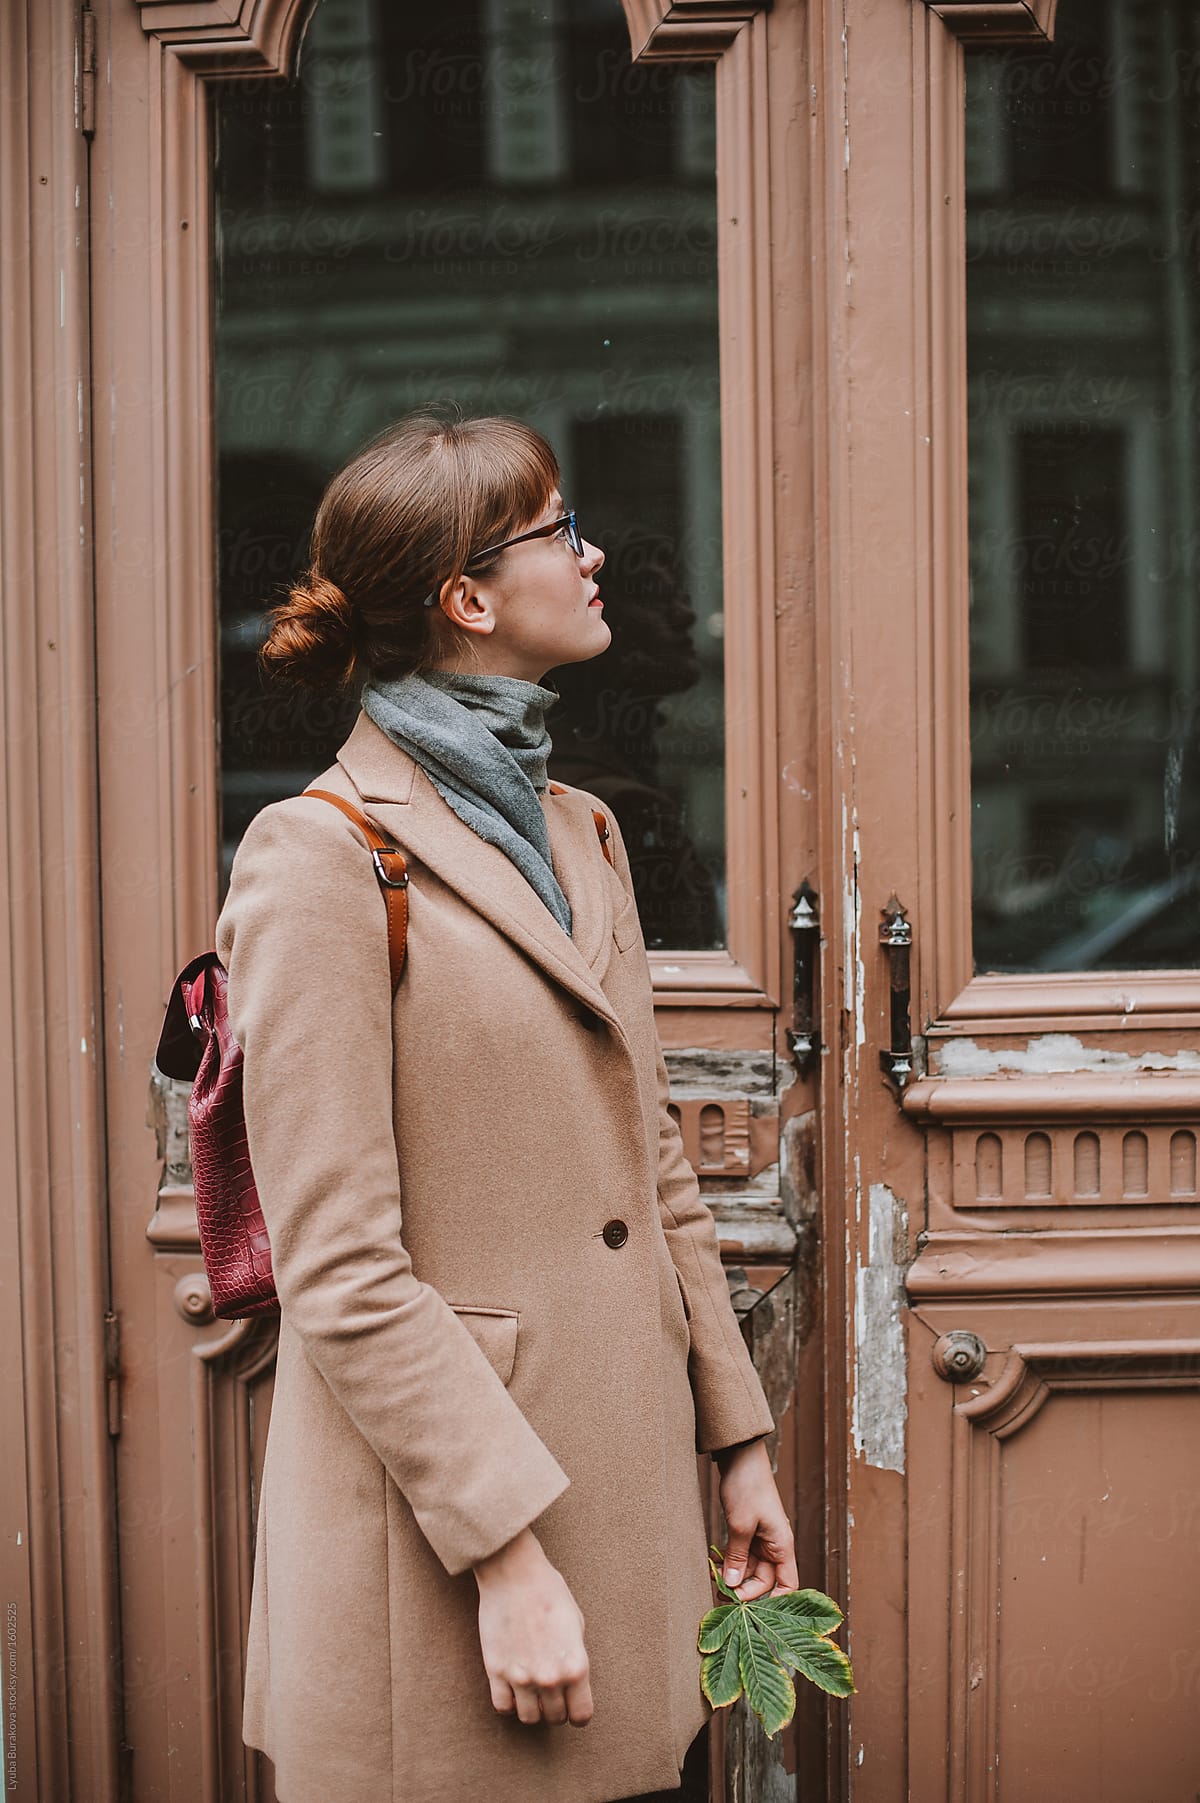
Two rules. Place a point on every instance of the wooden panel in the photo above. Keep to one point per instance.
(1057, 1481)
(1076, 1454)
(1083, 1708)
(1018, 1167)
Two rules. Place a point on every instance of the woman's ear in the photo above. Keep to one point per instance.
(466, 605)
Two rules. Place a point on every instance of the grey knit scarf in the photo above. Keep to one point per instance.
(482, 741)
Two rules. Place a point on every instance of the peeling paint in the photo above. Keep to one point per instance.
(852, 922)
(880, 1370)
(1048, 1052)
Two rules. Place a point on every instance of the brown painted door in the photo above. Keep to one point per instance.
(1013, 308)
(490, 204)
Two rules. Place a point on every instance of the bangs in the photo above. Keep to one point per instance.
(507, 474)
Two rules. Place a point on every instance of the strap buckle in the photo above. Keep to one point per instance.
(378, 853)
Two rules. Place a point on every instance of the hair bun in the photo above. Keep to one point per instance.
(311, 638)
(327, 603)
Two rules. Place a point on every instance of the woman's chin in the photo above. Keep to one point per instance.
(590, 644)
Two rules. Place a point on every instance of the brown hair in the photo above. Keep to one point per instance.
(398, 521)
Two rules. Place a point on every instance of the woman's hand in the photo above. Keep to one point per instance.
(761, 1555)
(531, 1634)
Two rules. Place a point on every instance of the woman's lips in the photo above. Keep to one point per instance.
(595, 600)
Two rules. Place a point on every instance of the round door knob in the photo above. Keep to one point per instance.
(959, 1356)
(193, 1299)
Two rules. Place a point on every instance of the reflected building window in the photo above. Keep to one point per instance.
(488, 205)
(1083, 307)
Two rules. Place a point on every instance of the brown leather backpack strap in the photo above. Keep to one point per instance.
(598, 816)
(391, 867)
(604, 834)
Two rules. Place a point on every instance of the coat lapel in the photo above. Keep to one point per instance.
(396, 792)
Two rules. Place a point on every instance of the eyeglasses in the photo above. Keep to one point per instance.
(574, 539)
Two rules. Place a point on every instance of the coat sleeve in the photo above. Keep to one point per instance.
(731, 1405)
(303, 937)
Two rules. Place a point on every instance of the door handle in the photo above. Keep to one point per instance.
(806, 938)
(895, 936)
(959, 1356)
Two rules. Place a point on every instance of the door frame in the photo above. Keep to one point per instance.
(156, 638)
(59, 1695)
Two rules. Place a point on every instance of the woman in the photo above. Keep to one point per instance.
(504, 1328)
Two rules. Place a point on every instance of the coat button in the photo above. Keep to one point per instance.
(615, 1234)
(589, 1020)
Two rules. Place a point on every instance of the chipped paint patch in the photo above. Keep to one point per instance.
(880, 1371)
(1048, 1052)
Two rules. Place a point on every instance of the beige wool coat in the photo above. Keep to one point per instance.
(463, 1349)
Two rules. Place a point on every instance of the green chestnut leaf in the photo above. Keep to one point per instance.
(757, 1648)
(716, 1627)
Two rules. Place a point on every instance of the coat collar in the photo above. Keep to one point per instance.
(396, 792)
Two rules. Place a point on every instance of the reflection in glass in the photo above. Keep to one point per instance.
(1083, 303)
(487, 204)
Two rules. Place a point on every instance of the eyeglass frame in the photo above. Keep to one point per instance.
(574, 539)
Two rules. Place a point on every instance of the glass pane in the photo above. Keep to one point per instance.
(487, 204)
(1083, 307)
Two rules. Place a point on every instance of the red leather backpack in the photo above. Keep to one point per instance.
(197, 1045)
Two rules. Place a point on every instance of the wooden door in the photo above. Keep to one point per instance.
(279, 269)
(1011, 1194)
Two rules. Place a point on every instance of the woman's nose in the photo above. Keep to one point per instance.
(593, 557)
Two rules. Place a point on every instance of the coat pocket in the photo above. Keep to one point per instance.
(494, 1331)
(687, 1307)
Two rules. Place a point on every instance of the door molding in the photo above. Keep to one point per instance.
(949, 998)
(1000, 22)
(983, 1426)
(223, 38)
(668, 30)
(252, 35)
(61, 1698)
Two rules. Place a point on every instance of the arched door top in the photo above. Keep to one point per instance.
(261, 36)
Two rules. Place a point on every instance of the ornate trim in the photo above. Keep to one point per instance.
(1102, 1262)
(686, 30)
(229, 1370)
(1011, 1004)
(1139, 1096)
(1004, 22)
(229, 36)
(1031, 1373)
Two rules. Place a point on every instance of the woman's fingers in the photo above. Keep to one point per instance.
(554, 1704)
(503, 1701)
(579, 1702)
(759, 1579)
(554, 1707)
(770, 1568)
(528, 1706)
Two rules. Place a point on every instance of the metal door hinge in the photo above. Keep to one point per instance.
(85, 75)
(112, 1371)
